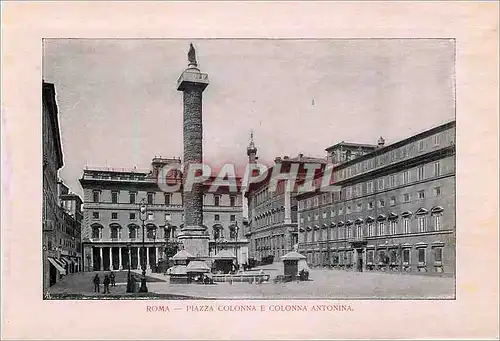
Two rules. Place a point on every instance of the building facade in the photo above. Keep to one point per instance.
(395, 209)
(112, 225)
(61, 238)
(272, 227)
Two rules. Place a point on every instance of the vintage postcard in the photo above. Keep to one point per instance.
(190, 181)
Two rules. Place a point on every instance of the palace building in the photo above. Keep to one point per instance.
(112, 229)
(272, 226)
(395, 210)
(61, 210)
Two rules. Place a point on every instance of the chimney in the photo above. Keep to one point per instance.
(300, 156)
(277, 159)
(381, 142)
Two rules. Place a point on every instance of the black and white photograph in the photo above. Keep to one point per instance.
(249, 169)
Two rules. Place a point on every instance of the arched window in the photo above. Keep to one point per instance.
(421, 215)
(115, 231)
(132, 231)
(437, 213)
(151, 231)
(96, 231)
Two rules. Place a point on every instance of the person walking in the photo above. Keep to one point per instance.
(106, 284)
(97, 281)
(112, 278)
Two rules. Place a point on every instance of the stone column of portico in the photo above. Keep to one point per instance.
(110, 258)
(90, 266)
(148, 266)
(120, 266)
(139, 258)
(192, 82)
(101, 259)
(156, 255)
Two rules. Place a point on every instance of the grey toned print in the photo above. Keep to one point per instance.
(249, 169)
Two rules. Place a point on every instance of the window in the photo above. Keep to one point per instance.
(151, 198)
(114, 215)
(95, 215)
(392, 181)
(381, 228)
(421, 194)
(369, 256)
(114, 233)
(96, 196)
(436, 140)
(232, 217)
(437, 169)
(406, 177)
(132, 216)
(392, 201)
(216, 217)
(406, 225)
(380, 184)
(151, 233)
(420, 173)
(96, 232)
(216, 200)
(131, 196)
(438, 254)
(393, 225)
(332, 213)
(168, 217)
(114, 197)
(437, 222)
(406, 197)
(232, 200)
(341, 210)
(381, 203)
(151, 216)
(370, 229)
(358, 207)
(421, 224)
(393, 256)
(437, 191)
(421, 146)
(369, 187)
(406, 256)
(370, 205)
(359, 231)
(168, 197)
(348, 209)
(421, 256)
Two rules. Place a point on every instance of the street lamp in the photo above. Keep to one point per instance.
(143, 216)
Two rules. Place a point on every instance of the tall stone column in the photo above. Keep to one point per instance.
(148, 265)
(192, 82)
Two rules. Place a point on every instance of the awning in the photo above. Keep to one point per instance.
(58, 266)
(68, 260)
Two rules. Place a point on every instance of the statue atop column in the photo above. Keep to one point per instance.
(192, 56)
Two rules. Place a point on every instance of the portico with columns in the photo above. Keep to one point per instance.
(107, 257)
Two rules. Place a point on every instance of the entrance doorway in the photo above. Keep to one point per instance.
(360, 260)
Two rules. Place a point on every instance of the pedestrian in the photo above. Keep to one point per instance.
(112, 278)
(106, 284)
(97, 281)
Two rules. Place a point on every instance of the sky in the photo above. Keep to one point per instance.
(119, 106)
